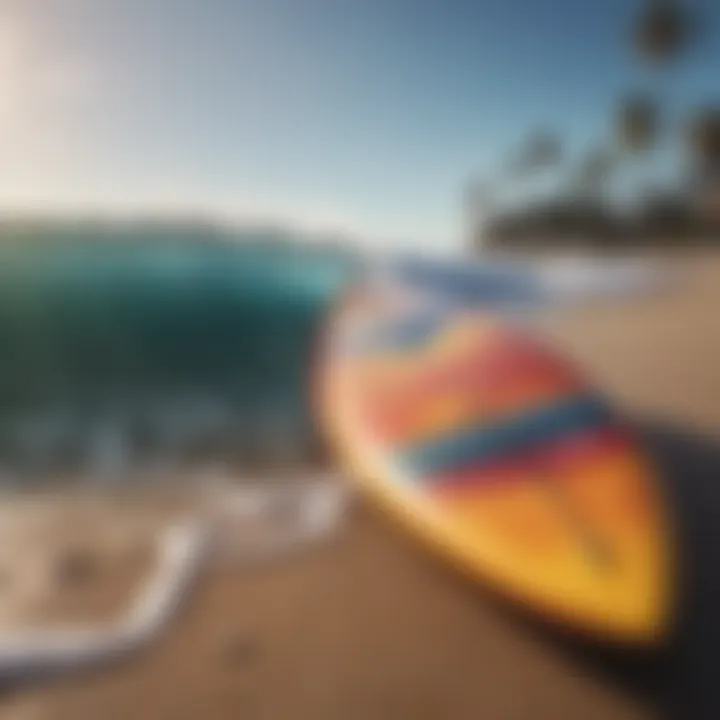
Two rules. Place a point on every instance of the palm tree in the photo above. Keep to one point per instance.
(704, 146)
(705, 138)
(661, 32)
(539, 152)
(637, 123)
(664, 29)
(591, 177)
(637, 129)
(542, 150)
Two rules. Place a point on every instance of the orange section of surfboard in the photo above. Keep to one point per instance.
(498, 453)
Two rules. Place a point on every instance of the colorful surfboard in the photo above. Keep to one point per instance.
(499, 454)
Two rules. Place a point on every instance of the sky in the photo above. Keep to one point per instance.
(358, 116)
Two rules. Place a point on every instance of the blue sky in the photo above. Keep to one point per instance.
(360, 115)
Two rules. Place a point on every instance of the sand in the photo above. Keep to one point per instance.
(368, 626)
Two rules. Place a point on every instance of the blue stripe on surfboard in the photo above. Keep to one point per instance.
(401, 336)
(482, 444)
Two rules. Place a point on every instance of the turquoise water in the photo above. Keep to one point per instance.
(87, 325)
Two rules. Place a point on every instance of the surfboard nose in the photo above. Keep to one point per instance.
(588, 553)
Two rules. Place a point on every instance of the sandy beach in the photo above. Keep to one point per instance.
(368, 627)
